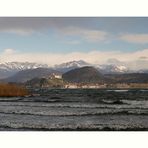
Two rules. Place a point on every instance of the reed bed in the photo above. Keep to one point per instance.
(12, 90)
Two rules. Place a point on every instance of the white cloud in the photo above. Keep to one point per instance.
(135, 38)
(143, 58)
(89, 35)
(18, 31)
(51, 59)
(66, 26)
(71, 42)
(95, 57)
(9, 51)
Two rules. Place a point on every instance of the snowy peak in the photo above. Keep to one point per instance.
(79, 63)
(17, 66)
(10, 68)
(75, 64)
(113, 68)
(121, 68)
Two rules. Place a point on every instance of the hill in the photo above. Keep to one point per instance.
(86, 74)
(45, 82)
(128, 78)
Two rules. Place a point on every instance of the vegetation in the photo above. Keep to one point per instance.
(128, 78)
(86, 74)
(12, 90)
(45, 83)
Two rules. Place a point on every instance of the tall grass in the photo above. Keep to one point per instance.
(12, 90)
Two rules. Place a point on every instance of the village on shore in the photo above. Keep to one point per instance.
(56, 81)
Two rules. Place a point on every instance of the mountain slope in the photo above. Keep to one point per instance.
(10, 68)
(65, 67)
(25, 75)
(86, 74)
(113, 69)
(45, 82)
(128, 78)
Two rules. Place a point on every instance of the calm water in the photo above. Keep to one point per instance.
(76, 109)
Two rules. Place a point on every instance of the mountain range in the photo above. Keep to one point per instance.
(65, 67)
(24, 71)
(10, 68)
(28, 74)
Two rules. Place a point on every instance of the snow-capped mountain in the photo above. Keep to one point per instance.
(114, 66)
(20, 66)
(136, 66)
(10, 68)
(113, 69)
(64, 67)
(79, 63)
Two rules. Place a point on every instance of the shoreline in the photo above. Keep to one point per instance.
(5, 128)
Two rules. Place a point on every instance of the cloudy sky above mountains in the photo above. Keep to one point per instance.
(55, 40)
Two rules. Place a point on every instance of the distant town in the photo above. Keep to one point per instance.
(58, 82)
(72, 75)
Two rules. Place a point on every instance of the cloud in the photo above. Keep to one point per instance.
(28, 25)
(135, 38)
(9, 51)
(143, 58)
(21, 25)
(18, 31)
(65, 26)
(51, 58)
(84, 27)
(71, 42)
(90, 35)
(95, 57)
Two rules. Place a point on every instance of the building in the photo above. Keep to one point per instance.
(71, 86)
(55, 76)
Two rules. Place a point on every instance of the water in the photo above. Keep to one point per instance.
(76, 109)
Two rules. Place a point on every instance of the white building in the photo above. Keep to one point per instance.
(71, 86)
(57, 76)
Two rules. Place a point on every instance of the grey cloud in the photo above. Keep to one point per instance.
(63, 26)
(85, 34)
(135, 38)
(12, 24)
(111, 24)
(143, 58)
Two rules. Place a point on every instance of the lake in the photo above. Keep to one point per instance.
(76, 109)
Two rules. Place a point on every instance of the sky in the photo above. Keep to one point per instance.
(53, 40)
